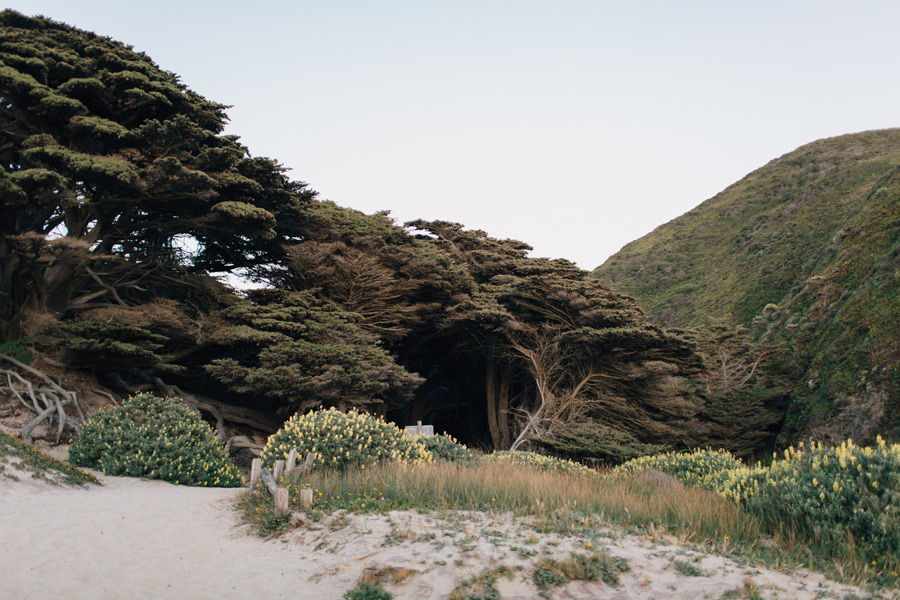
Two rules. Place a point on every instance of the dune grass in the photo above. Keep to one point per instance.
(556, 501)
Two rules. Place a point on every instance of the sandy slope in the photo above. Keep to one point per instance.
(133, 538)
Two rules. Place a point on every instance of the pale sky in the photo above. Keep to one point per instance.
(575, 126)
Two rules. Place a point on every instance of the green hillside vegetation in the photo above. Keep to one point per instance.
(805, 253)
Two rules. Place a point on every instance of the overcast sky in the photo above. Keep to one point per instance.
(575, 126)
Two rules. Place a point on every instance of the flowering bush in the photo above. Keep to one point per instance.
(829, 493)
(343, 439)
(545, 463)
(702, 468)
(158, 438)
(446, 447)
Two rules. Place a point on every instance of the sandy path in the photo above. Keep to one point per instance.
(134, 538)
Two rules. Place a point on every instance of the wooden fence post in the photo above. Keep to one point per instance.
(271, 480)
(279, 494)
(291, 462)
(254, 473)
(281, 499)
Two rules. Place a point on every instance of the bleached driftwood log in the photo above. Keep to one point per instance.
(48, 399)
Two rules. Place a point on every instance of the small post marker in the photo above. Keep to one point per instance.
(291, 462)
(306, 497)
(278, 470)
(281, 500)
(369, 575)
(254, 473)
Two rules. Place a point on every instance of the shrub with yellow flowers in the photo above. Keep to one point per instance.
(157, 438)
(829, 493)
(343, 439)
(447, 448)
(539, 461)
(701, 467)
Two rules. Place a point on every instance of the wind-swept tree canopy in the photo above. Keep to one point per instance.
(115, 178)
(368, 265)
(304, 352)
(554, 347)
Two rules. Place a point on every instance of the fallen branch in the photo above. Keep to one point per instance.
(242, 441)
(108, 395)
(53, 398)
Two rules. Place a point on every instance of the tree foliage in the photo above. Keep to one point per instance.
(744, 394)
(555, 347)
(116, 179)
(305, 352)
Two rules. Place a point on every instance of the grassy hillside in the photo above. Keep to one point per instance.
(806, 251)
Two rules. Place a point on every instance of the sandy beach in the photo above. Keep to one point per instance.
(135, 538)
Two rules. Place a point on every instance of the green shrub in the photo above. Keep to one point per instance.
(343, 439)
(158, 438)
(594, 441)
(539, 461)
(446, 447)
(828, 494)
(708, 469)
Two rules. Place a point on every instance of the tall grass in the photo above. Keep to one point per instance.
(556, 501)
(579, 505)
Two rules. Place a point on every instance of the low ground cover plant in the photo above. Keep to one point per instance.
(446, 447)
(705, 468)
(844, 499)
(157, 438)
(539, 461)
(40, 465)
(367, 591)
(341, 440)
(550, 573)
(482, 586)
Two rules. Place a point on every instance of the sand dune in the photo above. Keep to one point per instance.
(134, 538)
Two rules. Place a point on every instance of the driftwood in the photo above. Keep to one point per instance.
(242, 441)
(48, 401)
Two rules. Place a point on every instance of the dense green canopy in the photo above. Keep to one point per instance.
(115, 177)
